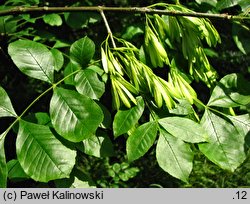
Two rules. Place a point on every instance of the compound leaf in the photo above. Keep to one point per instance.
(174, 156)
(33, 59)
(141, 140)
(74, 116)
(41, 155)
(225, 145)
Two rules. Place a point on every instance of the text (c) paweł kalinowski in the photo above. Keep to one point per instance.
(64, 195)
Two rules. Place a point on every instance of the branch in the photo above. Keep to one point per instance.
(45, 9)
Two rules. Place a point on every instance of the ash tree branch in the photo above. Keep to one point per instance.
(144, 10)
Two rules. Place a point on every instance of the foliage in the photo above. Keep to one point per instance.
(112, 102)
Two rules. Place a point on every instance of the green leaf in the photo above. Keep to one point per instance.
(33, 59)
(6, 108)
(98, 146)
(174, 156)
(70, 68)
(126, 119)
(182, 108)
(58, 59)
(184, 128)
(210, 2)
(41, 155)
(232, 91)
(82, 51)
(78, 20)
(52, 19)
(15, 170)
(222, 4)
(3, 165)
(132, 31)
(42, 118)
(7, 24)
(225, 145)
(77, 180)
(242, 123)
(241, 34)
(139, 142)
(74, 116)
(88, 83)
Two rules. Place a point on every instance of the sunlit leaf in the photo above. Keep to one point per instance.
(33, 59)
(70, 68)
(98, 146)
(74, 116)
(174, 156)
(15, 170)
(125, 119)
(41, 155)
(88, 83)
(77, 180)
(53, 19)
(231, 91)
(58, 59)
(141, 140)
(184, 129)
(225, 145)
(6, 108)
(82, 51)
(241, 122)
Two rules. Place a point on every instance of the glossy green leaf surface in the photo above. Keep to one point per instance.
(88, 83)
(6, 108)
(41, 155)
(184, 129)
(58, 59)
(233, 90)
(125, 119)
(3, 165)
(15, 170)
(33, 59)
(225, 145)
(242, 123)
(139, 142)
(98, 146)
(82, 51)
(74, 116)
(174, 156)
(69, 69)
(53, 19)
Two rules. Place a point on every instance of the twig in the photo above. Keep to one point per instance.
(108, 28)
(45, 9)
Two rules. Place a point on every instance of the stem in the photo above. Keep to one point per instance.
(45, 9)
(108, 28)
